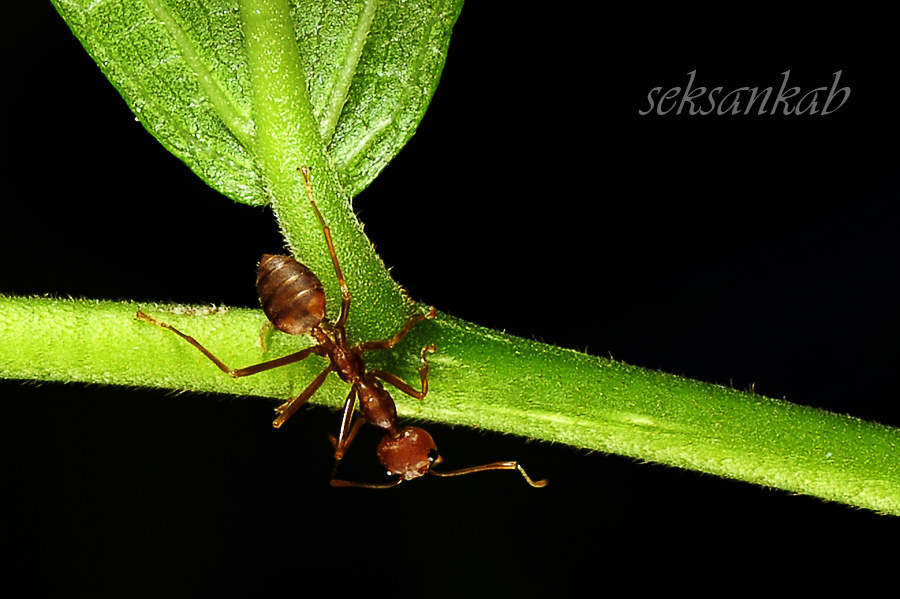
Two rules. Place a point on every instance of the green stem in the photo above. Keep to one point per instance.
(287, 136)
(486, 379)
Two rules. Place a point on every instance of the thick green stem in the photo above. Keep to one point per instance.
(287, 136)
(486, 379)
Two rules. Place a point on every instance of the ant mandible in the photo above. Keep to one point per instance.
(294, 302)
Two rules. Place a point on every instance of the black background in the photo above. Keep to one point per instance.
(749, 250)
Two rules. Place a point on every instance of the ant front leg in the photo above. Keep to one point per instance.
(537, 484)
(396, 381)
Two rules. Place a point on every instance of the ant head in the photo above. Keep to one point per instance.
(410, 455)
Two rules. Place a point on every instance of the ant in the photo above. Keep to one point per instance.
(294, 302)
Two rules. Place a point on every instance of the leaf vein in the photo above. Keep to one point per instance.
(238, 123)
(341, 88)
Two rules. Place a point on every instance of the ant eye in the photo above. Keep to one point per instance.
(433, 456)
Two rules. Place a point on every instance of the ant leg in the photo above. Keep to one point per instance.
(390, 343)
(342, 281)
(393, 379)
(340, 448)
(234, 372)
(347, 434)
(495, 466)
(357, 424)
(346, 483)
(343, 443)
(288, 408)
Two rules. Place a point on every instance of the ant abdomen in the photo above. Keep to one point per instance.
(291, 294)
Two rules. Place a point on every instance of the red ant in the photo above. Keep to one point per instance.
(294, 301)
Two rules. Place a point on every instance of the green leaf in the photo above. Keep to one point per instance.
(369, 70)
(246, 92)
(372, 73)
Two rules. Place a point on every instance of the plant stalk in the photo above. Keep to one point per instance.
(480, 378)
